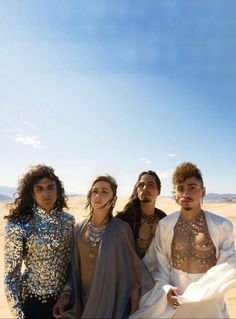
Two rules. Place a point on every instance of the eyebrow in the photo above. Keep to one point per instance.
(49, 184)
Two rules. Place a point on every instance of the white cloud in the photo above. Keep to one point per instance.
(172, 155)
(31, 125)
(27, 140)
(165, 174)
(145, 160)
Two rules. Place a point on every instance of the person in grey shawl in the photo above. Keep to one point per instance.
(107, 277)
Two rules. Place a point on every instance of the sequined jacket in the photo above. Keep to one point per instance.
(43, 245)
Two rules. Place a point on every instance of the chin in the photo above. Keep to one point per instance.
(145, 200)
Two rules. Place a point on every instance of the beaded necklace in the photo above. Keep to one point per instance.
(94, 237)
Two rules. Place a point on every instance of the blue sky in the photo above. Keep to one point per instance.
(93, 87)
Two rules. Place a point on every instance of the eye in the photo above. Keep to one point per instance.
(140, 184)
(51, 187)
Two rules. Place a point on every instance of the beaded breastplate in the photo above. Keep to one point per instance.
(146, 232)
(192, 249)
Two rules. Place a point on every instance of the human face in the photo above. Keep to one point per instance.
(189, 193)
(102, 196)
(45, 193)
(147, 189)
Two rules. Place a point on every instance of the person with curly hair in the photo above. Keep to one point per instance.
(38, 236)
(107, 276)
(192, 256)
(140, 211)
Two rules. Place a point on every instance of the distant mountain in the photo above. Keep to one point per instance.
(7, 191)
(215, 197)
(4, 198)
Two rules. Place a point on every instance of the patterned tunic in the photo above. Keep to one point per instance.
(44, 246)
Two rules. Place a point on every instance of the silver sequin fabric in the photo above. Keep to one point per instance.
(37, 255)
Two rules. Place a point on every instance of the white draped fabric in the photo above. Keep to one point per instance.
(200, 295)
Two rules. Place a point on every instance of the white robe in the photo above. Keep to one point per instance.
(200, 295)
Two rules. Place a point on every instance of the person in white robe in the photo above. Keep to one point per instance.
(192, 257)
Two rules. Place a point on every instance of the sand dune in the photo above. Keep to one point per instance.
(76, 205)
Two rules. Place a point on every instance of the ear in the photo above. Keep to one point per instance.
(203, 191)
(114, 201)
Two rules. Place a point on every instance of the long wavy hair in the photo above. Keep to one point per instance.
(22, 207)
(103, 178)
(134, 201)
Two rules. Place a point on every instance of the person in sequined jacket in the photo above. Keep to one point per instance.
(38, 234)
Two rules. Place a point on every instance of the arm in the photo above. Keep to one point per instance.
(156, 258)
(13, 257)
(135, 296)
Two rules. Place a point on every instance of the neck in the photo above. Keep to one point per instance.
(99, 218)
(191, 214)
(147, 208)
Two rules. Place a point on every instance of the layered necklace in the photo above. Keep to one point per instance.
(150, 219)
(94, 237)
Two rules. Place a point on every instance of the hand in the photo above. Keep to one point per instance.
(58, 308)
(172, 297)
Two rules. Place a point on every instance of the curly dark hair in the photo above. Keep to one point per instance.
(134, 200)
(184, 171)
(103, 178)
(22, 207)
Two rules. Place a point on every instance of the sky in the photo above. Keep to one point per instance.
(118, 87)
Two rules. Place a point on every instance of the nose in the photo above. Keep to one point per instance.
(185, 193)
(45, 192)
(97, 195)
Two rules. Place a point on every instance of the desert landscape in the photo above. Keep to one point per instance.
(76, 205)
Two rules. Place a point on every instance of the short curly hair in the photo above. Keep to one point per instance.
(184, 171)
(22, 207)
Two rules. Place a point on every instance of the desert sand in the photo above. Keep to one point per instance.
(76, 205)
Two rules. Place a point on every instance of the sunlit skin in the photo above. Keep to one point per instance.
(147, 193)
(102, 198)
(45, 193)
(189, 195)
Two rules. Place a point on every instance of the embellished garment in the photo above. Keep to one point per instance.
(192, 249)
(146, 232)
(201, 295)
(44, 246)
(116, 270)
(143, 226)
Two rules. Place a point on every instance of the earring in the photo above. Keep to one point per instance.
(34, 204)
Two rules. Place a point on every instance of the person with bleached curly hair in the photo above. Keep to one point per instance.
(192, 256)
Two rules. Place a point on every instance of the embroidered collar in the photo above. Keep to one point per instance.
(42, 212)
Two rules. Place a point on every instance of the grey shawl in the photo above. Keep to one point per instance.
(118, 272)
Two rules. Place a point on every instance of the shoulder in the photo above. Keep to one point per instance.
(119, 224)
(67, 217)
(219, 220)
(15, 229)
(169, 219)
(125, 214)
(160, 213)
(119, 228)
